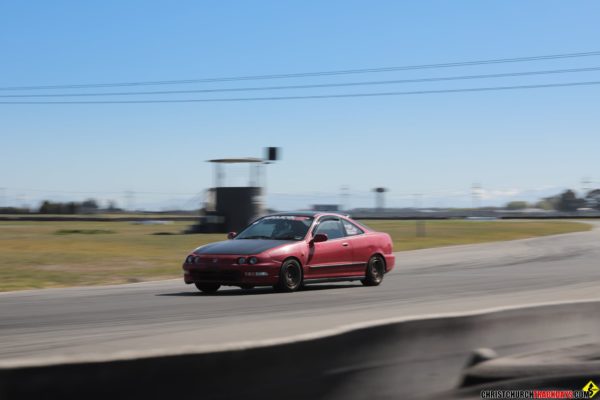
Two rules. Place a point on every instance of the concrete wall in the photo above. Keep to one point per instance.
(390, 359)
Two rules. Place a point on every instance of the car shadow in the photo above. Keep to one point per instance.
(259, 291)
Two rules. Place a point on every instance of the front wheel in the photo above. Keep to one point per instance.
(208, 287)
(375, 271)
(290, 277)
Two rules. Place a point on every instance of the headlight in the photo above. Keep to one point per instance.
(252, 260)
(197, 260)
(241, 260)
(189, 260)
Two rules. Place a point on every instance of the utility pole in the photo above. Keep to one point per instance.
(476, 190)
(21, 199)
(380, 198)
(129, 200)
(586, 185)
(344, 195)
(419, 223)
(417, 200)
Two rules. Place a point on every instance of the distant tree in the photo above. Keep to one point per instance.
(14, 210)
(517, 205)
(70, 208)
(544, 205)
(48, 207)
(569, 201)
(112, 206)
(45, 207)
(90, 204)
(553, 200)
(593, 199)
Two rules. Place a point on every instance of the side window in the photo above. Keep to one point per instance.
(351, 229)
(332, 228)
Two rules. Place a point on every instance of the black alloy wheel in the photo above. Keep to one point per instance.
(375, 271)
(290, 277)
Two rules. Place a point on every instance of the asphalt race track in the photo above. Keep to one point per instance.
(98, 322)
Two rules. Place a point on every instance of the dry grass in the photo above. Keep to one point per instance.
(456, 232)
(40, 254)
(52, 254)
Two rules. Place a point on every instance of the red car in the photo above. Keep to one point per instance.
(288, 250)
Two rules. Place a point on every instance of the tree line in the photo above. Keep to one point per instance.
(566, 201)
(89, 206)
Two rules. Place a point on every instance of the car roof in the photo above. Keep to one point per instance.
(313, 214)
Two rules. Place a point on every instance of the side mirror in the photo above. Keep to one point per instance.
(320, 237)
(231, 235)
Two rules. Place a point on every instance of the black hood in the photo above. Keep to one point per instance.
(241, 246)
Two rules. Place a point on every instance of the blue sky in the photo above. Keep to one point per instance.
(516, 144)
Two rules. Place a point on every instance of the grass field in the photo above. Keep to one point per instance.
(54, 254)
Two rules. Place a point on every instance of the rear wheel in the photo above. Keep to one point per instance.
(290, 277)
(375, 271)
(208, 287)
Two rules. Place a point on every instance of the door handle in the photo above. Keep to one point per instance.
(345, 244)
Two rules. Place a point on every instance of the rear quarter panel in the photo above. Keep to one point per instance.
(371, 243)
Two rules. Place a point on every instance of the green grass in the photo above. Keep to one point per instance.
(55, 254)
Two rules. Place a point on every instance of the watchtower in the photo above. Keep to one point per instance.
(379, 198)
(231, 207)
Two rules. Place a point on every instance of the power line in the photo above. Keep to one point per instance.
(326, 96)
(310, 74)
(312, 86)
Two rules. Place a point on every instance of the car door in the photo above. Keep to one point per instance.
(361, 248)
(332, 258)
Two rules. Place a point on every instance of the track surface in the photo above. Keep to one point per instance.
(46, 325)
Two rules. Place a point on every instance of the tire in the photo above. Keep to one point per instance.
(247, 287)
(290, 277)
(374, 272)
(208, 287)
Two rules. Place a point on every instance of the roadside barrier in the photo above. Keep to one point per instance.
(404, 359)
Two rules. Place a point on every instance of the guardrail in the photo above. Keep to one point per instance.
(403, 358)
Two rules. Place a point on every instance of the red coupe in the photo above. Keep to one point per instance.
(288, 250)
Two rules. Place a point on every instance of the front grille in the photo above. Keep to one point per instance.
(216, 276)
(208, 261)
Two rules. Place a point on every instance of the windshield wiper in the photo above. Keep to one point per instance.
(255, 237)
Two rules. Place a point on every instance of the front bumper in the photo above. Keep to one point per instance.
(231, 274)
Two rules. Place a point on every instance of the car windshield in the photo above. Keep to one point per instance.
(278, 227)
